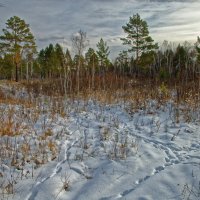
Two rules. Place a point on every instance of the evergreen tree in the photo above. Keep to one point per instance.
(68, 58)
(122, 61)
(138, 36)
(179, 60)
(6, 66)
(42, 63)
(198, 49)
(102, 53)
(51, 59)
(59, 55)
(78, 60)
(91, 58)
(17, 39)
(92, 63)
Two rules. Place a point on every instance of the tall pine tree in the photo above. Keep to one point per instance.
(102, 53)
(138, 36)
(16, 40)
(198, 49)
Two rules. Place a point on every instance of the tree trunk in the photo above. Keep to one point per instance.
(31, 69)
(93, 73)
(65, 81)
(78, 77)
(16, 72)
(27, 71)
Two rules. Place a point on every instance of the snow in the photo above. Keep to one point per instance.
(107, 152)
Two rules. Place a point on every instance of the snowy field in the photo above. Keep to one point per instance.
(99, 152)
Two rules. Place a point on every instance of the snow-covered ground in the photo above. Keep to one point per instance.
(105, 152)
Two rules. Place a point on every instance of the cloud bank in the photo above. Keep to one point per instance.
(56, 20)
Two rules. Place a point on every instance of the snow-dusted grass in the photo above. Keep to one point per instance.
(80, 150)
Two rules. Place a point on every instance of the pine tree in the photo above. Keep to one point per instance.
(42, 63)
(16, 40)
(138, 36)
(91, 58)
(122, 61)
(198, 49)
(6, 66)
(103, 53)
(92, 63)
(59, 56)
(68, 59)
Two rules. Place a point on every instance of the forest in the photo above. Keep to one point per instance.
(92, 69)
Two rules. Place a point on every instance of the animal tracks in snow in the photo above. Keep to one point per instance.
(174, 155)
(35, 189)
(109, 157)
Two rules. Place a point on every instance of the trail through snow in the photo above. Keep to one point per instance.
(65, 148)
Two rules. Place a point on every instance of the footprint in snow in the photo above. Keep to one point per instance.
(167, 160)
(141, 180)
(175, 161)
(138, 181)
(157, 170)
(160, 168)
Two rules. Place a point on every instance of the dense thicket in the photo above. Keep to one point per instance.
(91, 68)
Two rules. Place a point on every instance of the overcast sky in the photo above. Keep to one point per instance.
(54, 21)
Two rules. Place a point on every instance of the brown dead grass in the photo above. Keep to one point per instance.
(115, 89)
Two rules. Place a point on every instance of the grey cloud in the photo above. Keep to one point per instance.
(51, 38)
(2, 5)
(56, 20)
(105, 0)
(168, 1)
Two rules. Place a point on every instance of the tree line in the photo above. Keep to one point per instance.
(20, 60)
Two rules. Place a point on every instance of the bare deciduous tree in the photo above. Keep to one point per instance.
(79, 43)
